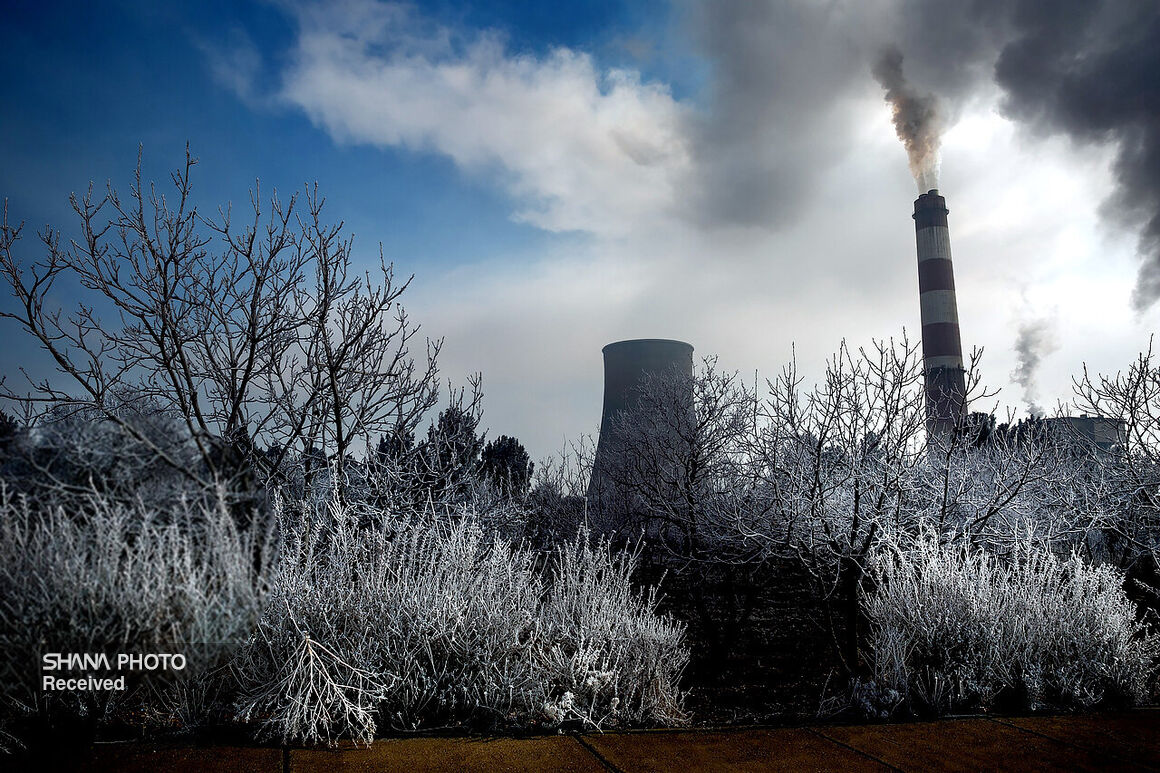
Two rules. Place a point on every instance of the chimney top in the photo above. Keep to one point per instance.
(931, 204)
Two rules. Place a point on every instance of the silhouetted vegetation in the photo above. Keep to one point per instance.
(505, 462)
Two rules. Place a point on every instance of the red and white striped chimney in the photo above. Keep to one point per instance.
(942, 349)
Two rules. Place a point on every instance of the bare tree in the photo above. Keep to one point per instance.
(441, 472)
(258, 336)
(1131, 400)
(844, 462)
(677, 471)
(1007, 489)
(679, 458)
(557, 503)
(852, 465)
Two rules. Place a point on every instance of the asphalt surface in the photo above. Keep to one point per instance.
(1122, 741)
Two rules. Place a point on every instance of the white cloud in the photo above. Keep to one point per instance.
(577, 148)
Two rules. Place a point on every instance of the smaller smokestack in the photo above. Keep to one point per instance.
(942, 349)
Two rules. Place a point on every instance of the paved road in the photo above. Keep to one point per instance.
(1122, 741)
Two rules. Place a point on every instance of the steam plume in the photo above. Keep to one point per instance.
(1035, 341)
(916, 119)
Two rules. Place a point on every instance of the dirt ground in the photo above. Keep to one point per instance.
(1121, 741)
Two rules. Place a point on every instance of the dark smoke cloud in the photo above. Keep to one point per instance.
(1086, 69)
(1035, 341)
(775, 117)
(917, 118)
(1091, 70)
(782, 71)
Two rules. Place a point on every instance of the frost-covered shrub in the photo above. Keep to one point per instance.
(122, 579)
(604, 644)
(433, 622)
(360, 623)
(956, 628)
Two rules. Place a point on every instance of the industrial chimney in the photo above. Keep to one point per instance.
(626, 363)
(942, 349)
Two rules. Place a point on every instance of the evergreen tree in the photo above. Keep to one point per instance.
(505, 462)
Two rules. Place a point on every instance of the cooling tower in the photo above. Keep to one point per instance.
(625, 364)
(942, 349)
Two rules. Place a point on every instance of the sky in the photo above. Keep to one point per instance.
(559, 176)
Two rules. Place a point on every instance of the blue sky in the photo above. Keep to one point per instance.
(562, 175)
(92, 83)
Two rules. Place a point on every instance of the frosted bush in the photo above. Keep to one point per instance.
(122, 579)
(435, 623)
(360, 624)
(956, 628)
(618, 660)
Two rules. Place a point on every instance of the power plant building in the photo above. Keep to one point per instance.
(1090, 433)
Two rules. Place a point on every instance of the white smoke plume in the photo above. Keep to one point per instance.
(917, 119)
(1036, 340)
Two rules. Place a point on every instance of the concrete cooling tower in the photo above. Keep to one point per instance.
(625, 365)
(942, 349)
